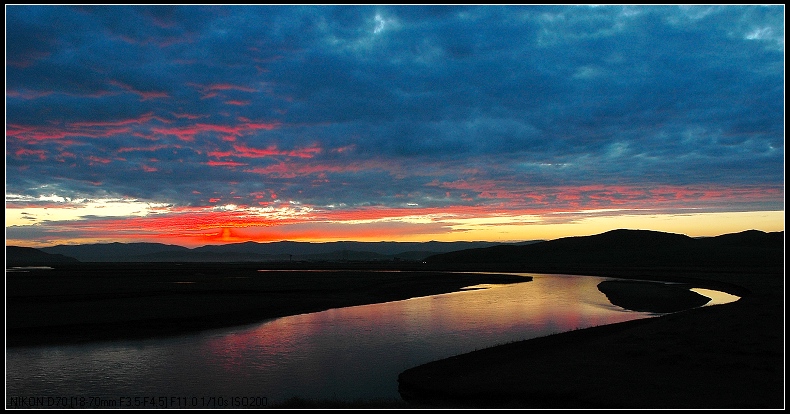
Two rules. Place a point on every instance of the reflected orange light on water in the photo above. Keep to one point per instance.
(716, 297)
(439, 325)
(346, 353)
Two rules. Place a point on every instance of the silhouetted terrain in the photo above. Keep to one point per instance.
(75, 302)
(650, 296)
(110, 252)
(630, 248)
(262, 252)
(616, 247)
(724, 356)
(27, 256)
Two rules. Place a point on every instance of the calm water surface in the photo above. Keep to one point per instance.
(347, 353)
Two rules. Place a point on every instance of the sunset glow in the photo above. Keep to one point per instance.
(197, 125)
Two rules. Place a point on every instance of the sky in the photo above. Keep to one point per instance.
(197, 125)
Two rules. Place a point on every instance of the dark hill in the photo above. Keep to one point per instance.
(631, 248)
(28, 256)
(261, 252)
(109, 252)
(748, 238)
(313, 248)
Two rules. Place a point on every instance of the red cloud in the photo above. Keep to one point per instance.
(146, 149)
(224, 164)
(41, 154)
(144, 95)
(210, 91)
(99, 160)
(224, 87)
(187, 133)
(46, 133)
(142, 119)
(87, 129)
(192, 227)
(189, 116)
(243, 151)
(590, 197)
(291, 170)
(200, 225)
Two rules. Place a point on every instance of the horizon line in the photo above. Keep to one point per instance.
(383, 241)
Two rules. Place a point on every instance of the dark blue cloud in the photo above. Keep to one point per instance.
(395, 97)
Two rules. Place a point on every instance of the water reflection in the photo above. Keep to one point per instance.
(716, 297)
(25, 269)
(346, 353)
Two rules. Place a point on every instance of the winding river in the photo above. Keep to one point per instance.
(347, 353)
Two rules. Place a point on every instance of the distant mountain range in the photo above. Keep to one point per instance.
(620, 247)
(28, 256)
(262, 252)
(750, 248)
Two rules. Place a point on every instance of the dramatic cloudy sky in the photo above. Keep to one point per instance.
(200, 125)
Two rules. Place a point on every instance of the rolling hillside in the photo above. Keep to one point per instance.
(28, 256)
(632, 248)
(262, 252)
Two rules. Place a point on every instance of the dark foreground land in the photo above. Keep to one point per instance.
(724, 356)
(80, 302)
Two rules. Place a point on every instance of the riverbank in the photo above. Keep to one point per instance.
(651, 297)
(86, 302)
(724, 356)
